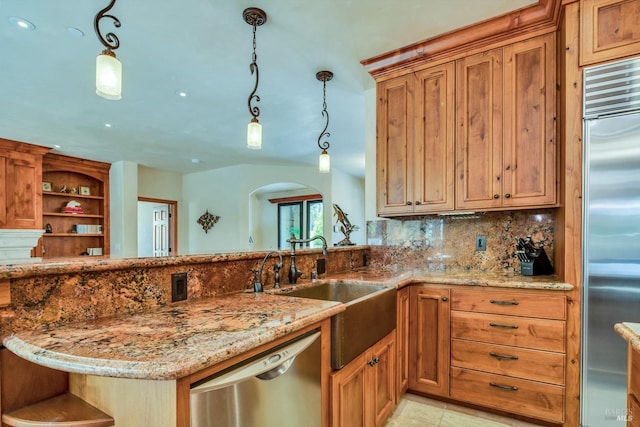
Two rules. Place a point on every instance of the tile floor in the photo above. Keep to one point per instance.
(416, 411)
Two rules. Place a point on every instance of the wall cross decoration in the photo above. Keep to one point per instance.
(207, 221)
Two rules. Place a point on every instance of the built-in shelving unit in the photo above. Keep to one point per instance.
(85, 232)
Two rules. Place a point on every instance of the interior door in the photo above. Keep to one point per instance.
(161, 231)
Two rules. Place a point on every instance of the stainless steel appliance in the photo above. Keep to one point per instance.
(277, 388)
(611, 236)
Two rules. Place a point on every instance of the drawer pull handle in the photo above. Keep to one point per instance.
(373, 361)
(497, 325)
(504, 387)
(493, 301)
(502, 356)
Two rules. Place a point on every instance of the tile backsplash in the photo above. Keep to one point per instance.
(449, 242)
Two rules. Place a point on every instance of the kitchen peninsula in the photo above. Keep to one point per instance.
(160, 350)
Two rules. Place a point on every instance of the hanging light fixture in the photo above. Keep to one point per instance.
(325, 161)
(108, 67)
(254, 17)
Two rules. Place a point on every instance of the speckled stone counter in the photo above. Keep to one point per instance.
(400, 277)
(630, 332)
(171, 342)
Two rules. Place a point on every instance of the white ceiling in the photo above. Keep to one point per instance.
(204, 47)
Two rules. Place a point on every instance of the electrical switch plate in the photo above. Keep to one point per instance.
(321, 267)
(481, 243)
(178, 287)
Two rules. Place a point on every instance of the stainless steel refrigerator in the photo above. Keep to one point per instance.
(611, 236)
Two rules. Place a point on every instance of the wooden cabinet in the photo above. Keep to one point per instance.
(402, 341)
(415, 142)
(496, 149)
(87, 183)
(633, 388)
(505, 142)
(508, 351)
(429, 340)
(610, 30)
(20, 185)
(363, 392)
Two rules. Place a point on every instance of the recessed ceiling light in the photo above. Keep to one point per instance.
(196, 161)
(22, 23)
(57, 146)
(75, 32)
(182, 94)
(107, 125)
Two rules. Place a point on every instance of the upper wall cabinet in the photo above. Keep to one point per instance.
(415, 142)
(505, 141)
(475, 133)
(20, 185)
(610, 30)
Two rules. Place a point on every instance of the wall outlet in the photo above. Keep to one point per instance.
(321, 266)
(481, 243)
(178, 287)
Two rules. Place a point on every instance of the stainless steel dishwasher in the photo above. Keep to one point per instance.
(277, 388)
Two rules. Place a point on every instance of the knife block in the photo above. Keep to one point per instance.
(538, 266)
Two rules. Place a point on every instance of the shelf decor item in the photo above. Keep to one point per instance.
(46, 186)
(85, 191)
(345, 226)
(207, 221)
(73, 207)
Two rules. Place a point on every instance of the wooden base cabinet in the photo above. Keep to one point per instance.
(402, 341)
(633, 388)
(508, 351)
(363, 393)
(429, 340)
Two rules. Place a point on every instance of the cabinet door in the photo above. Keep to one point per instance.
(395, 131)
(402, 341)
(23, 190)
(348, 394)
(610, 30)
(433, 150)
(479, 130)
(529, 152)
(429, 343)
(383, 377)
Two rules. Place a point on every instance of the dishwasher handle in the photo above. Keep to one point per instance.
(266, 367)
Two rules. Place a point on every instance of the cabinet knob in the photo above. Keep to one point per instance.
(496, 196)
(417, 202)
(507, 195)
(408, 202)
(445, 299)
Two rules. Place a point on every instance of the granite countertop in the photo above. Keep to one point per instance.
(630, 332)
(177, 340)
(400, 277)
(173, 341)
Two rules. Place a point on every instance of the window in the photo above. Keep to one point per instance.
(303, 218)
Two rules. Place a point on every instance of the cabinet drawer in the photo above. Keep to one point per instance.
(512, 361)
(529, 398)
(511, 303)
(633, 413)
(634, 374)
(540, 334)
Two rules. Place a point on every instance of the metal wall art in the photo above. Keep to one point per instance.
(346, 227)
(207, 221)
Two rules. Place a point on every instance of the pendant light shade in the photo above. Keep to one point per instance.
(254, 134)
(325, 162)
(108, 75)
(108, 67)
(254, 17)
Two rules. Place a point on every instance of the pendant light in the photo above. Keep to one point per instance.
(254, 17)
(324, 163)
(108, 67)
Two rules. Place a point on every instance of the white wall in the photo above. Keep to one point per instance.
(370, 154)
(123, 209)
(348, 193)
(226, 192)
